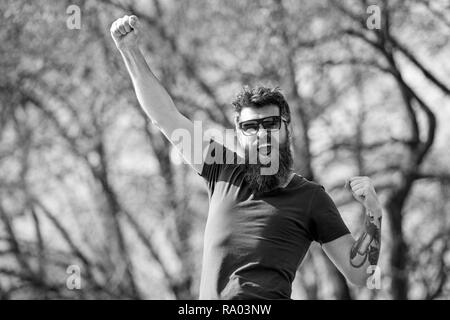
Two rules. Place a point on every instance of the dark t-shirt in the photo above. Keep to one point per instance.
(254, 243)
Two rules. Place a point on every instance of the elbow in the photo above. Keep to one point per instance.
(357, 279)
(360, 282)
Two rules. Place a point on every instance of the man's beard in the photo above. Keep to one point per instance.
(265, 183)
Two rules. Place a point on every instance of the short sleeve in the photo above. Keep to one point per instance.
(216, 159)
(326, 222)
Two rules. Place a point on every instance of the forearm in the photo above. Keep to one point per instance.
(358, 260)
(152, 96)
(365, 251)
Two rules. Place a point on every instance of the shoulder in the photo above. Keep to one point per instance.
(307, 192)
(307, 185)
(315, 193)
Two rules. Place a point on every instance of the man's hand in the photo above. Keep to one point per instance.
(124, 32)
(364, 192)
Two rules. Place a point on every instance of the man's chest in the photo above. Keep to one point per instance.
(240, 220)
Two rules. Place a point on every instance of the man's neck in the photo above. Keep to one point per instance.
(288, 179)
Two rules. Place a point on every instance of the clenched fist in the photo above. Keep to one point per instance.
(124, 31)
(364, 192)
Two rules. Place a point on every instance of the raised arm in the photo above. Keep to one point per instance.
(152, 96)
(358, 259)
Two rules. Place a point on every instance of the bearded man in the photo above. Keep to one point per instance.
(262, 216)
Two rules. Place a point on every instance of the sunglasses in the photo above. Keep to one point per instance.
(251, 127)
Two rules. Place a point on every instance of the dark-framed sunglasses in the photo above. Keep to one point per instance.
(251, 127)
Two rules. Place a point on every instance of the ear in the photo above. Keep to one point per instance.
(236, 127)
(239, 134)
(236, 123)
(289, 131)
(236, 117)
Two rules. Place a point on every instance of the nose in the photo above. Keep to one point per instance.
(263, 133)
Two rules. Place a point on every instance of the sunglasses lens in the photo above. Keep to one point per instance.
(271, 123)
(250, 127)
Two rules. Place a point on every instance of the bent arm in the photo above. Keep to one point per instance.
(356, 259)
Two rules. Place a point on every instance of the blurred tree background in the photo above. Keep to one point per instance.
(86, 180)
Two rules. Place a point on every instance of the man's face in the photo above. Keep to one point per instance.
(259, 142)
(265, 146)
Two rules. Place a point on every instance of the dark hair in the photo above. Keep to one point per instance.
(259, 97)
